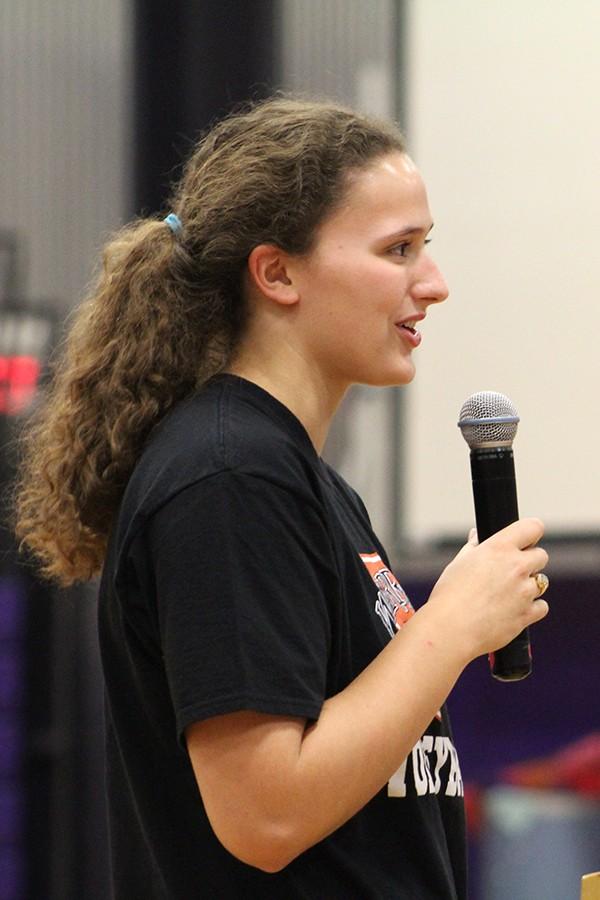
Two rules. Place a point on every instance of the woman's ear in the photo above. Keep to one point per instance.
(269, 272)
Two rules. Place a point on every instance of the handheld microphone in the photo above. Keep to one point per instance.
(488, 422)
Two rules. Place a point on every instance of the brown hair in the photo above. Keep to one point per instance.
(167, 310)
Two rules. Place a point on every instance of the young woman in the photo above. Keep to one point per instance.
(275, 711)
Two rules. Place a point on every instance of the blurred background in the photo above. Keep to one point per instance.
(498, 100)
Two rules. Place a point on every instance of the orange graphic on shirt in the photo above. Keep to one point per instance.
(392, 605)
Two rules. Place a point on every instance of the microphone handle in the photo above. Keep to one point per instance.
(495, 496)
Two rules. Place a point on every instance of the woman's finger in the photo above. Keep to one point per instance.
(539, 609)
(535, 559)
(524, 533)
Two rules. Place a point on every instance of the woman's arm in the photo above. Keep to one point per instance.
(273, 787)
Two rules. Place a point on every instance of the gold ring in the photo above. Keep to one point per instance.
(542, 581)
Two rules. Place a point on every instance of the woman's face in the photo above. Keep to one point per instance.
(369, 280)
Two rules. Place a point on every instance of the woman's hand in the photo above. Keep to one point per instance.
(488, 593)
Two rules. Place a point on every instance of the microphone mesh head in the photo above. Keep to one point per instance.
(488, 419)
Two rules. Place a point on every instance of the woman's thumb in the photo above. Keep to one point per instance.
(471, 542)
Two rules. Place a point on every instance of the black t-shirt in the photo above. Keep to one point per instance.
(243, 573)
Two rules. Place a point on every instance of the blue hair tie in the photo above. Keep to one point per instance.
(174, 223)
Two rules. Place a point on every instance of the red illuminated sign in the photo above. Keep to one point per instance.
(18, 382)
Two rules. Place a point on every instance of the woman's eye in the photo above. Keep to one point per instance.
(406, 247)
(401, 249)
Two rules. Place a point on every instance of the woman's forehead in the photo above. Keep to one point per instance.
(394, 171)
(389, 192)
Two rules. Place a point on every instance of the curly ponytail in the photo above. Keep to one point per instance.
(135, 347)
(167, 311)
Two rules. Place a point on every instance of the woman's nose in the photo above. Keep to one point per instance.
(430, 284)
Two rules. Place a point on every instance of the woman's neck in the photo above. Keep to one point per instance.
(296, 386)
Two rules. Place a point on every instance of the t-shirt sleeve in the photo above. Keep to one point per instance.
(244, 578)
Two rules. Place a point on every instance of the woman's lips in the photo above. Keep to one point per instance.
(410, 334)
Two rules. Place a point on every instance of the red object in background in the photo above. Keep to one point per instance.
(575, 768)
(473, 809)
(18, 383)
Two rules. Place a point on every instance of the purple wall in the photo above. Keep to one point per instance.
(496, 724)
(12, 734)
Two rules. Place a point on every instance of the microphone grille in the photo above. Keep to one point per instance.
(488, 419)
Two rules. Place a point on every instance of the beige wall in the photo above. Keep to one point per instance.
(503, 121)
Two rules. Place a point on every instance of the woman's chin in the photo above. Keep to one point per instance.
(403, 375)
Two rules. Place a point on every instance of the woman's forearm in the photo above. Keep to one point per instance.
(365, 732)
(273, 787)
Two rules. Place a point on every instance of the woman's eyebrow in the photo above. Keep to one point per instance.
(407, 232)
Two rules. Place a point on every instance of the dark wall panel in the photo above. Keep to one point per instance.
(193, 62)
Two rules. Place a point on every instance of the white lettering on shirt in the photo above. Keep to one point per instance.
(428, 758)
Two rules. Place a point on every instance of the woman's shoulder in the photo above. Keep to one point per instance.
(226, 426)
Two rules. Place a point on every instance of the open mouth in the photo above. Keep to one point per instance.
(410, 331)
(409, 326)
